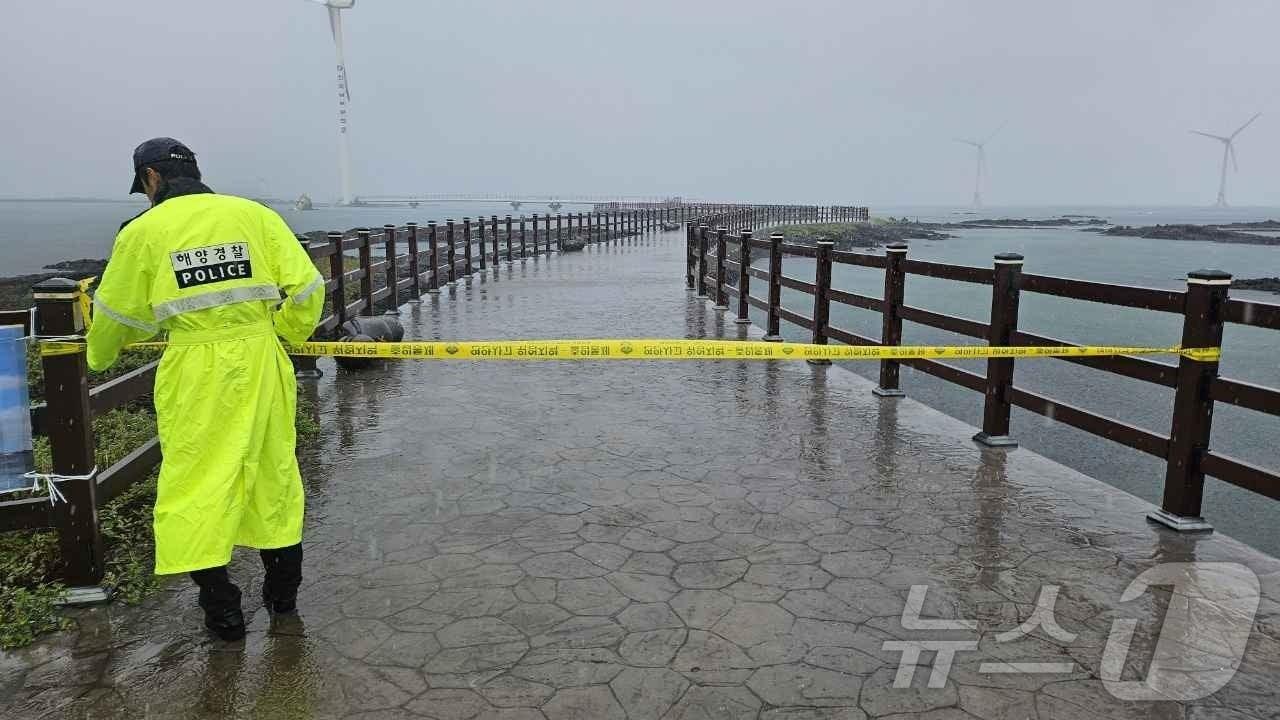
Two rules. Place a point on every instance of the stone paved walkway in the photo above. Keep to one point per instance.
(684, 541)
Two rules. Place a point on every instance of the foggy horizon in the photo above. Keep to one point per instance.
(824, 103)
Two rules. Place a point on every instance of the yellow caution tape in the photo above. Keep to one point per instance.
(657, 349)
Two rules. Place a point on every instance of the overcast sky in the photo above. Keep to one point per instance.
(824, 101)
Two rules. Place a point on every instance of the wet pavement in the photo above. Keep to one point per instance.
(690, 541)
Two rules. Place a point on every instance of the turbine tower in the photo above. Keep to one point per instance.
(1228, 148)
(344, 94)
(981, 147)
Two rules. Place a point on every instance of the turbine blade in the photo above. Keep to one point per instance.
(966, 142)
(993, 134)
(1242, 127)
(1219, 138)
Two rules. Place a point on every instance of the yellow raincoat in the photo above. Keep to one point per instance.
(225, 277)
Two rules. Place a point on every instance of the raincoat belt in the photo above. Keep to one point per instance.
(222, 334)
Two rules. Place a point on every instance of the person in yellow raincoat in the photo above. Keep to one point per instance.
(225, 278)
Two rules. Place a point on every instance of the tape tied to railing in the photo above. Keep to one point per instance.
(679, 349)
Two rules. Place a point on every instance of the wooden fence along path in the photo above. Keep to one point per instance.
(1205, 307)
(415, 259)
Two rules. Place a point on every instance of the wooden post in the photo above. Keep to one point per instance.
(496, 257)
(702, 261)
(415, 287)
(773, 333)
(68, 425)
(822, 297)
(451, 252)
(895, 283)
(744, 277)
(509, 240)
(366, 273)
(690, 255)
(547, 220)
(338, 271)
(390, 271)
(590, 229)
(559, 232)
(523, 248)
(433, 257)
(480, 244)
(535, 234)
(1004, 323)
(722, 297)
(466, 247)
(1202, 321)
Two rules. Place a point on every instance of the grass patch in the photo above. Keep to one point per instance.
(29, 565)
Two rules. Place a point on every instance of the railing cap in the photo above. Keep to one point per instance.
(826, 243)
(1008, 259)
(776, 236)
(362, 231)
(56, 285)
(745, 233)
(432, 223)
(334, 235)
(896, 247)
(411, 224)
(1205, 276)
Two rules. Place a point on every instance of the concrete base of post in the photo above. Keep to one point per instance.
(887, 392)
(995, 441)
(772, 338)
(84, 595)
(720, 307)
(742, 321)
(1179, 523)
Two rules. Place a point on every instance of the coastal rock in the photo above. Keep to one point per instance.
(1203, 233)
(1271, 284)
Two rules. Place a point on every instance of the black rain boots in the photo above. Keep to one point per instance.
(220, 600)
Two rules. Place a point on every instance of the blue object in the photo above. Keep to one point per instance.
(15, 410)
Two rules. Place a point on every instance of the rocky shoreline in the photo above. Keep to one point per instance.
(1201, 233)
(1271, 284)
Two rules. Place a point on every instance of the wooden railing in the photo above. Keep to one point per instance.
(414, 260)
(1205, 307)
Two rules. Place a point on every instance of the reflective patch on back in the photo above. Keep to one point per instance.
(211, 264)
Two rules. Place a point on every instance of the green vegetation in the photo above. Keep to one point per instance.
(29, 565)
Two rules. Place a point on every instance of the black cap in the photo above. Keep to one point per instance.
(154, 151)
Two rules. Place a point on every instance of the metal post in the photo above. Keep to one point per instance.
(366, 271)
(304, 367)
(433, 257)
(415, 287)
(744, 277)
(466, 247)
(390, 271)
(722, 297)
(895, 283)
(822, 297)
(702, 261)
(451, 252)
(1202, 321)
(338, 271)
(1004, 323)
(68, 426)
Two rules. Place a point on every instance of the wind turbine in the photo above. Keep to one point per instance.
(344, 94)
(982, 163)
(1228, 148)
